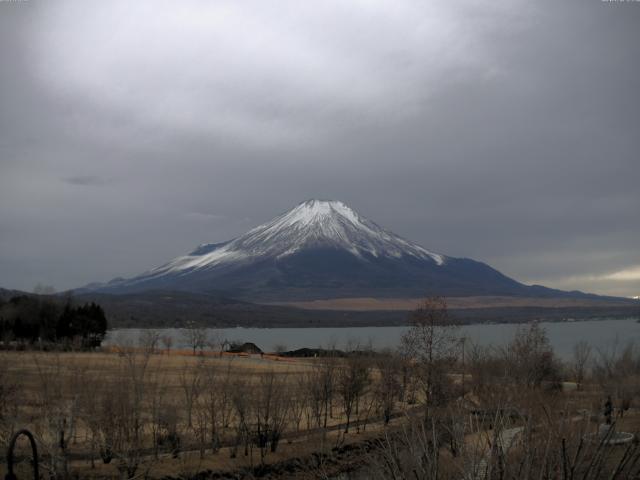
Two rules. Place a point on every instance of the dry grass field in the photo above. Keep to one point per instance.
(144, 412)
(176, 414)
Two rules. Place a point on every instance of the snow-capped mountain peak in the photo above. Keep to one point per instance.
(316, 211)
(317, 250)
(314, 223)
(323, 249)
(330, 224)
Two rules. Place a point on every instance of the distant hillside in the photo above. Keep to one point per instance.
(6, 294)
(173, 309)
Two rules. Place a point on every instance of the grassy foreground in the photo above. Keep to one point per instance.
(157, 414)
(432, 410)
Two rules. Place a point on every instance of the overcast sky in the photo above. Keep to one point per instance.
(504, 131)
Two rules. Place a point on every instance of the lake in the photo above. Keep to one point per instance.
(603, 334)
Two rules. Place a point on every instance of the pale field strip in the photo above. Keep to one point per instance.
(408, 304)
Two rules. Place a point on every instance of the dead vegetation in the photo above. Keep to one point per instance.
(423, 412)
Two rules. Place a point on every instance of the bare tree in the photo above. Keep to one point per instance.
(488, 380)
(55, 428)
(352, 378)
(581, 356)
(547, 445)
(195, 336)
(270, 412)
(168, 429)
(225, 399)
(9, 394)
(215, 341)
(617, 371)
(123, 415)
(191, 386)
(157, 405)
(149, 340)
(242, 403)
(90, 396)
(212, 392)
(388, 387)
(432, 344)
(313, 387)
(299, 401)
(326, 378)
(531, 359)
(215, 406)
(167, 341)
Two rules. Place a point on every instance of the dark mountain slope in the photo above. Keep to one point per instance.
(324, 249)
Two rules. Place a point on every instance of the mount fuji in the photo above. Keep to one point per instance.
(320, 250)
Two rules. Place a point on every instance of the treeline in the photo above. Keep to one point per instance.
(31, 319)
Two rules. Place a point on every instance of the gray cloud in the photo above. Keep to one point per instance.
(506, 132)
(204, 217)
(86, 180)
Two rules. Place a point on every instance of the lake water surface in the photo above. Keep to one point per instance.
(604, 334)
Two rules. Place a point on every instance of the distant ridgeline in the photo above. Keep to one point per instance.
(30, 319)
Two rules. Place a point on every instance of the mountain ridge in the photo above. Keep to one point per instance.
(323, 249)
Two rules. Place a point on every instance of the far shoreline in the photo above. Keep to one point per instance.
(330, 325)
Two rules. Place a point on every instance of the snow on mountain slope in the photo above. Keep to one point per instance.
(323, 250)
(314, 223)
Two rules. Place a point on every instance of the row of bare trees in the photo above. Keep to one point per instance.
(506, 417)
(130, 408)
